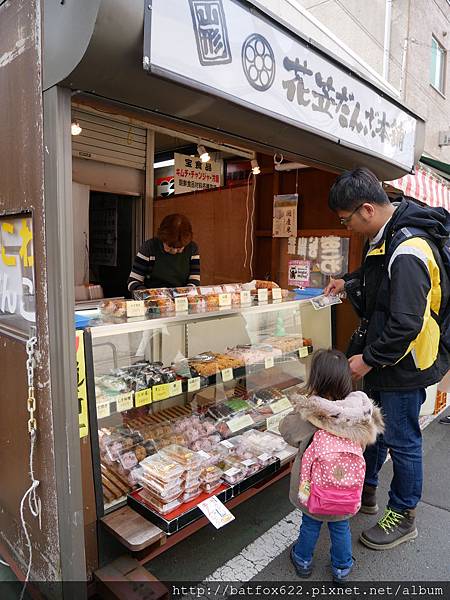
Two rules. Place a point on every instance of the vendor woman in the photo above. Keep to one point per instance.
(171, 259)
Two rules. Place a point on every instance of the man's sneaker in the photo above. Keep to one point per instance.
(394, 528)
(445, 420)
(303, 568)
(369, 504)
(341, 575)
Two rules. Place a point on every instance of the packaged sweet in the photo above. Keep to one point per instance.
(134, 476)
(233, 474)
(210, 474)
(159, 506)
(113, 308)
(165, 492)
(182, 455)
(210, 487)
(191, 494)
(161, 468)
(150, 293)
(181, 292)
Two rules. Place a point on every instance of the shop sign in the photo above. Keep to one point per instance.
(327, 257)
(285, 215)
(17, 299)
(191, 174)
(81, 385)
(226, 49)
(299, 272)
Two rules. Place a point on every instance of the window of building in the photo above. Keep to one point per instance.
(437, 72)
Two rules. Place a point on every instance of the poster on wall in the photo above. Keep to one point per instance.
(299, 273)
(285, 215)
(17, 290)
(191, 174)
(327, 256)
(165, 186)
(81, 385)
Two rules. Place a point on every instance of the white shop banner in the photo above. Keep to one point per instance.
(223, 48)
(191, 174)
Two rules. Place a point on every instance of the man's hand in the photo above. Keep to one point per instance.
(358, 367)
(335, 287)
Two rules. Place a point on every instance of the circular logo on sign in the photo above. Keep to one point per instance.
(258, 61)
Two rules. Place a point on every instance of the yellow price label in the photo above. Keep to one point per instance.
(103, 410)
(227, 374)
(175, 388)
(303, 351)
(161, 392)
(143, 397)
(193, 384)
(124, 402)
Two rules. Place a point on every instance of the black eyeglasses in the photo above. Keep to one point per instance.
(346, 220)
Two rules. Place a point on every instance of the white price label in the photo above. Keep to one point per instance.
(232, 472)
(227, 444)
(216, 512)
(181, 304)
(249, 462)
(246, 297)
(280, 405)
(303, 351)
(276, 294)
(193, 384)
(264, 457)
(227, 374)
(239, 423)
(274, 421)
(204, 454)
(175, 388)
(103, 410)
(135, 308)
(124, 402)
(263, 295)
(269, 362)
(224, 299)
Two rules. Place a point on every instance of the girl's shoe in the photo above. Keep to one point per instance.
(341, 575)
(303, 568)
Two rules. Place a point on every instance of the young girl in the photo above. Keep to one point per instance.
(331, 427)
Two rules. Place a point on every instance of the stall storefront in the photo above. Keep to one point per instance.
(178, 394)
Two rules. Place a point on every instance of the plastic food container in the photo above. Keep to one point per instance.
(191, 494)
(210, 487)
(233, 475)
(183, 456)
(162, 490)
(158, 505)
(158, 467)
(211, 474)
(113, 308)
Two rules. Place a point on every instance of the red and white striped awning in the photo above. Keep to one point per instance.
(425, 185)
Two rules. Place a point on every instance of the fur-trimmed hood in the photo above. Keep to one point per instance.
(355, 417)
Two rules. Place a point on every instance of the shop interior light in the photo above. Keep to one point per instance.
(75, 128)
(164, 163)
(202, 152)
(255, 167)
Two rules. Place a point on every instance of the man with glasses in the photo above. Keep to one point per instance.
(404, 290)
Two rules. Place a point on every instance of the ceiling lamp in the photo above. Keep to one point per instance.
(75, 128)
(255, 167)
(202, 152)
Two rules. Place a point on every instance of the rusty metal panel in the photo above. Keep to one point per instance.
(21, 190)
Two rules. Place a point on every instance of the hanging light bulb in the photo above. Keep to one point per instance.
(255, 167)
(75, 128)
(202, 152)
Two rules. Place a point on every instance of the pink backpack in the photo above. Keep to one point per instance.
(335, 469)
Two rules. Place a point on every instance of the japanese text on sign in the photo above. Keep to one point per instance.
(191, 174)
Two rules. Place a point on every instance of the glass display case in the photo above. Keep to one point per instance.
(198, 391)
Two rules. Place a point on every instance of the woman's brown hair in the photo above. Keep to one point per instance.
(175, 231)
(330, 375)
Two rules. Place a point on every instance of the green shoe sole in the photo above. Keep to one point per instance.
(406, 538)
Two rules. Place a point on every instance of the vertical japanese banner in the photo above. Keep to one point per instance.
(81, 385)
(191, 174)
(285, 215)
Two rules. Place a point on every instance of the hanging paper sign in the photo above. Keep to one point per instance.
(299, 272)
(81, 385)
(191, 174)
(285, 215)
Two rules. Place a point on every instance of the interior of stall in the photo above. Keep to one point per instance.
(180, 381)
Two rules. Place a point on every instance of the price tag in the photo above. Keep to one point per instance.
(263, 295)
(161, 392)
(276, 294)
(268, 363)
(143, 397)
(135, 308)
(227, 444)
(103, 410)
(224, 299)
(204, 454)
(274, 421)
(227, 374)
(264, 457)
(280, 405)
(239, 423)
(175, 388)
(216, 512)
(193, 384)
(232, 472)
(249, 462)
(246, 297)
(181, 304)
(303, 351)
(124, 402)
